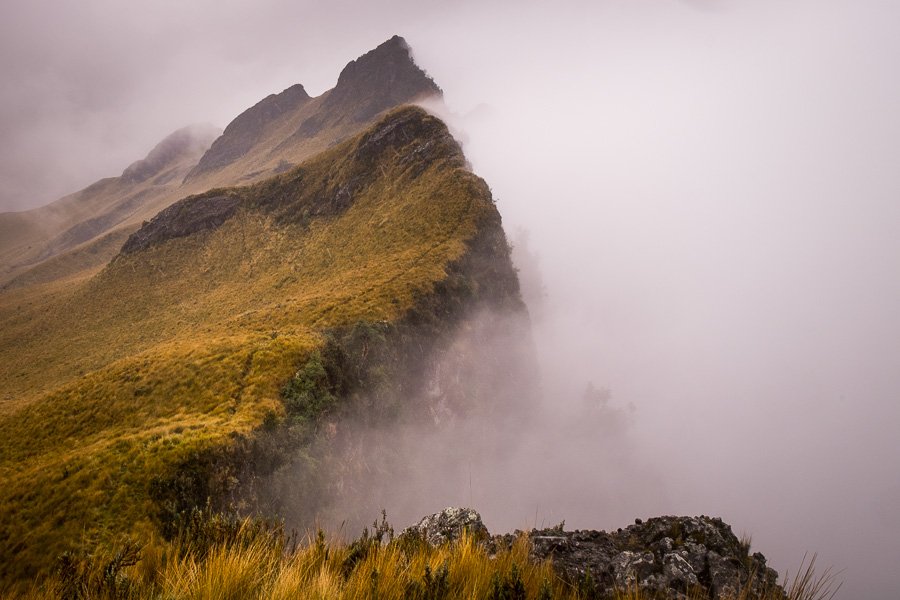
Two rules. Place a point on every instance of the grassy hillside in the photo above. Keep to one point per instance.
(189, 338)
(271, 137)
(30, 237)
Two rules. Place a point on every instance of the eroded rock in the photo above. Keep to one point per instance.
(447, 526)
(666, 557)
(670, 557)
(186, 217)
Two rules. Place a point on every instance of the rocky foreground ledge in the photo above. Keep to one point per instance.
(671, 557)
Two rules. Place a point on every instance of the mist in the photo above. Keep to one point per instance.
(710, 187)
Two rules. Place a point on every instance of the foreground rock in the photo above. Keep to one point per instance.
(447, 526)
(666, 557)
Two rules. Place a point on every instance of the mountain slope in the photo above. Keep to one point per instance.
(284, 129)
(277, 133)
(125, 394)
(29, 237)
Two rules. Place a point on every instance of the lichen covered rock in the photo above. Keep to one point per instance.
(447, 526)
(671, 557)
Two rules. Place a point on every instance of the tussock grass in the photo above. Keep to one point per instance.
(220, 558)
(263, 563)
(809, 585)
(170, 351)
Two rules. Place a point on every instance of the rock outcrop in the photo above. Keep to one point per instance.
(186, 217)
(666, 556)
(448, 525)
(663, 557)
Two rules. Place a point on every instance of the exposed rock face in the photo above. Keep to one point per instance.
(381, 79)
(447, 526)
(378, 80)
(666, 556)
(247, 128)
(186, 217)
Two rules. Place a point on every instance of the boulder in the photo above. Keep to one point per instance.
(447, 526)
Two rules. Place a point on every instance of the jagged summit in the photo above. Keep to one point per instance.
(248, 127)
(271, 137)
(285, 129)
(187, 144)
(156, 368)
(378, 79)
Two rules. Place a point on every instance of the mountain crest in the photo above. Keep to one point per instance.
(187, 144)
(248, 128)
(380, 79)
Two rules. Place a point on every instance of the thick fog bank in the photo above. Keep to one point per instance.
(715, 212)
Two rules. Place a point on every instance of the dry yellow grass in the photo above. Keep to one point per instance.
(169, 350)
(256, 561)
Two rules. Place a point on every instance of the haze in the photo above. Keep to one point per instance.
(712, 188)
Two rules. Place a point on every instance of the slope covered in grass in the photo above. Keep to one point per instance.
(28, 238)
(188, 336)
(276, 134)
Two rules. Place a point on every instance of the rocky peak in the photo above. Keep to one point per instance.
(186, 217)
(248, 127)
(380, 79)
(184, 147)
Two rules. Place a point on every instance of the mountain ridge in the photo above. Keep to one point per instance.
(274, 135)
(149, 385)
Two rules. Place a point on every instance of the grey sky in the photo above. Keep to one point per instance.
(712, 187)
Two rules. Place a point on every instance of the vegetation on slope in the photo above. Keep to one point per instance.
(219, 556)
(30, 237)
(223, 558)
(271, 137)
(176, 347)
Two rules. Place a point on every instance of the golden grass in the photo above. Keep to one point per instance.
(262, 566)
(262, 563)
(168, 351)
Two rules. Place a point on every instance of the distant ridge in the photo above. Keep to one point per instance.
(31, 237)
(286, 128)
(182, 146)
(80, 232)
(248, 128)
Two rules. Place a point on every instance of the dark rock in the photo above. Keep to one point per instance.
(248, 128)
(671, 557)
(724, 575)
(186, 217)
(378, 80)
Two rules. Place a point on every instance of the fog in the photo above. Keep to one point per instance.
(711, 188)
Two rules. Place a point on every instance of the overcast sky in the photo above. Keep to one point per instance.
(712, 187)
